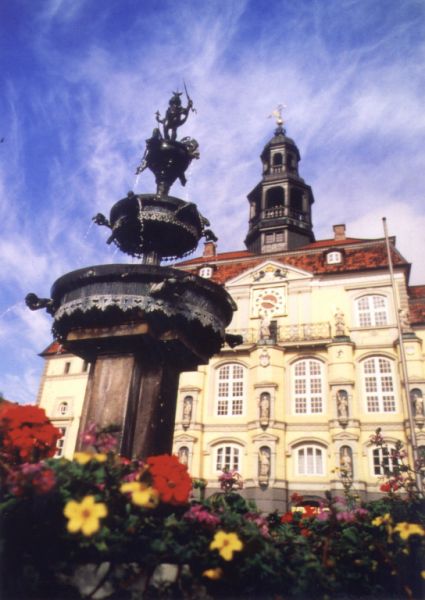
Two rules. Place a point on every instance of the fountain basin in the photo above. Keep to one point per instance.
(130, 308)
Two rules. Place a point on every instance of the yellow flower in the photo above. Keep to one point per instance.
(100, 457)
(141, 494)
(383, 520)
(405, 530)
(84, 515)
(84, 457)
(213, 573)
(226, 544)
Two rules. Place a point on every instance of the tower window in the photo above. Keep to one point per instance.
(67, 367)
(297, 200)
(277, 159)
(275, 197)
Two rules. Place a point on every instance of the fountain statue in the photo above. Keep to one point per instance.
(141, 325)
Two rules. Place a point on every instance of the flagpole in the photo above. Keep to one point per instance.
(403, 358)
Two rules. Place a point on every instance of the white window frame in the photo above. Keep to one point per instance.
(304, 388)
(334, 257)
(230, 391)
(383, 454)
(60, 444)
(379, 387)
(228, 455)
(317, 466)
(206, 272)
(373, 314)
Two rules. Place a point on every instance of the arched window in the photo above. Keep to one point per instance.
(228, 456)
(296, 200)
(275, 197)
(277, 159)
(379, 385)
(310, 460)
(383, 461)
(230, 389)
(372, 311)
(308, 386)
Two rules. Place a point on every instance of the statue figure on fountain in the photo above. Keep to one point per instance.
(164, 155)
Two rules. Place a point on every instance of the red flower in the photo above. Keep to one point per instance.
(170, 478)
(288, 517)
(26, 434)
(305, 532)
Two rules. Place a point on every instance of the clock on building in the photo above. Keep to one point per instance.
(270, 301)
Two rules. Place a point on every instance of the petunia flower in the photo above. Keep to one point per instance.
(405, 530)
(84, 515)
(226, 544)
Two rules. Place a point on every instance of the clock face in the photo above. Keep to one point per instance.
(268, 301)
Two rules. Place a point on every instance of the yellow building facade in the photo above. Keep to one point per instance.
(318, 369)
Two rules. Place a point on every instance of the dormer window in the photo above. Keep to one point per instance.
(334, 258)
(206, 272)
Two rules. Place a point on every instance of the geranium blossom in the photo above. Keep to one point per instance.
(198, 513)
(84, 515)
(26, 433)
(226, 544)
(170, 478)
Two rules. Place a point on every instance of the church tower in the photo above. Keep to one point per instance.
(280, 205)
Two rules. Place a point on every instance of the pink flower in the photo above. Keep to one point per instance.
(199, 514)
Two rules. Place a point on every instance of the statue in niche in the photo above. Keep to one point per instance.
(187, 410)
(339, 323)
(264, 405)
(342, 404)
(264, 464)
(418, 402)
(265, 327)
(346, 460)
(183, 455)
(404, 319)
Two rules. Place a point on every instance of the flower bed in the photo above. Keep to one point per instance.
(101, 526)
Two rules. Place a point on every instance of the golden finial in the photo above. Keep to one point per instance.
(277, 114)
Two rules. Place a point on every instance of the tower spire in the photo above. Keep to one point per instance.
(280, 204)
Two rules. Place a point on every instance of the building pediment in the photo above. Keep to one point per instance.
(268, 273)
(345, 436)
(185, 439)
(265, 438)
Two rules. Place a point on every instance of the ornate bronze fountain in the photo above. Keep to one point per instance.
(141, 325)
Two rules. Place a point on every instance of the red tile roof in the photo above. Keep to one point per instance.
(417, 304)
(358, 255)
(54, 348)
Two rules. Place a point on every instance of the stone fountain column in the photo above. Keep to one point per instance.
(141, 325)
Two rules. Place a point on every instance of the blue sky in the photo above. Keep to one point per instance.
(80, 83)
